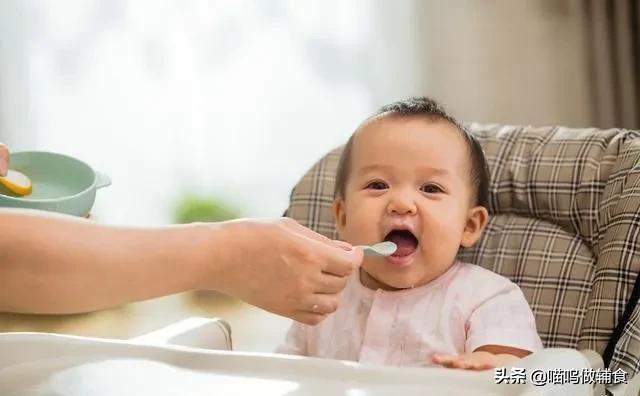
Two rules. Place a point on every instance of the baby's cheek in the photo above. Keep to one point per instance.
(443, 238)
(446, 223)
(359, 234)
(360, 227)
(439, 227)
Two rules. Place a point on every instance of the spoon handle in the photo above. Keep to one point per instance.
(369, 251)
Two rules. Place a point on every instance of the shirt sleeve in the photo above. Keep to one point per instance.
(295, 342)
(503, 318)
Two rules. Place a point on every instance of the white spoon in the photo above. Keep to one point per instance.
(386, 248)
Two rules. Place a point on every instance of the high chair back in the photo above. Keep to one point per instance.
(564, 226)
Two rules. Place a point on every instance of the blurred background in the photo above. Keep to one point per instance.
(212, 109)
(236, 99)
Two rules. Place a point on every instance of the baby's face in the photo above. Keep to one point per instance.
(409, 183)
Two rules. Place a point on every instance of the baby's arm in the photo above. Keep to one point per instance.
(484, 358)
(500, 330)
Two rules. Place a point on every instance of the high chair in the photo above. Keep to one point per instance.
(564, 226)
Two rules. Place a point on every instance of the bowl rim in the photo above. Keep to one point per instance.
(59, 199)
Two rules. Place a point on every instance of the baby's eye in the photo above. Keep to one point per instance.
(431, 189)
(377, 185)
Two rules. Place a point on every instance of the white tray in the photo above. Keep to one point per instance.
(49, 364)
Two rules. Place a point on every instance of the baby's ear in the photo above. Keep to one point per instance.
(339, 214)
(477, 220)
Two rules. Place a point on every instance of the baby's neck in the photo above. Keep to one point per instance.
(368, 281)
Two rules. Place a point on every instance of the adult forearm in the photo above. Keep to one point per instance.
(57, 264)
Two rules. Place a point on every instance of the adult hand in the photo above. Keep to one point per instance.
(285, 268)
(4, 159)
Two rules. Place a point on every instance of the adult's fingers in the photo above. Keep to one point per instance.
(300, 229)
(4, 159)
(330, 284)
(321, 303)
(316, 236)
(342, 262)
(342, 244)
(309, 318)
(337, 258)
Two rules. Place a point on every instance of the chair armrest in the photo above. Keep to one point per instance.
(593, 357)
(207, 333)
(596, 362)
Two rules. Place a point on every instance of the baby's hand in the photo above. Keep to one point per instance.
(478, 360)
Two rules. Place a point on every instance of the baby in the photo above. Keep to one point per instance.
(412, 175)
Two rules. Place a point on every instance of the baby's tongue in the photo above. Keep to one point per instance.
(405, 242)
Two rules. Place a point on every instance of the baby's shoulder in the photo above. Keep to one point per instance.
(480, 279)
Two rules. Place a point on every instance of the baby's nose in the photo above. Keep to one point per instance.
(402, 204)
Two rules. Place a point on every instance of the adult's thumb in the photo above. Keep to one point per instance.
(4, 159)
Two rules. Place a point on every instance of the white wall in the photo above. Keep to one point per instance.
(521, 62)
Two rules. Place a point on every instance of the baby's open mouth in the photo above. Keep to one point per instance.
(405, 240)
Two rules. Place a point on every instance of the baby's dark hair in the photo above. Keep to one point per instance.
(432, 110)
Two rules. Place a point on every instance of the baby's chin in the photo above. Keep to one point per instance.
(401, 284)
(394, 284)
(392, 281)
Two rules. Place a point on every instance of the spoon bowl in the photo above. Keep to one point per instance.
(386, 248)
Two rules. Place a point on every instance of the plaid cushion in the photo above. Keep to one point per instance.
(565, 226)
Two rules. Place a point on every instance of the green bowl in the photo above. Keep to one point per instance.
(61, 183)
